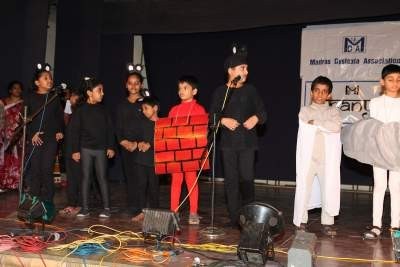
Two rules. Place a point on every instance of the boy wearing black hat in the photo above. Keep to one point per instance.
(239, 110)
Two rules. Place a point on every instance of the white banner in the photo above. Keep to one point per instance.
(352, 56)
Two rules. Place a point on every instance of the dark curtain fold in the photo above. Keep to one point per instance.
(78, 40)
(24, 31)
(116, 51)
(188, 16)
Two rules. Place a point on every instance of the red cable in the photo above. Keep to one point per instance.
(30, 243)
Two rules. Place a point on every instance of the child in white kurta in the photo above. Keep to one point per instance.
(386, 108)
(318, 156)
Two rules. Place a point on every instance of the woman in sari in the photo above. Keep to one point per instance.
(10, 153)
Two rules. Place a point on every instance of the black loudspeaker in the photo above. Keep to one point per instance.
(159, 223)
(301, 253)
(260, 224)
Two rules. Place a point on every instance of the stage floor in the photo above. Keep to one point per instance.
(355, 214)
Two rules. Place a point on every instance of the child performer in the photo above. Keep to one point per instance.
(386, 108)
(243, 112)
(318, 154)
(73, 168)
(187, 89)
(43, 133)
(92, 143)
(129, 117)
(146, 178)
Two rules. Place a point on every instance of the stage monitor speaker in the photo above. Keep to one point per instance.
(301, 253)
(260, 224)
(159, 223)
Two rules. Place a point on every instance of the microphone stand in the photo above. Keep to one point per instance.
(24, 119)
(211, 231)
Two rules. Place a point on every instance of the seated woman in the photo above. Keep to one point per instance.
(10, 154)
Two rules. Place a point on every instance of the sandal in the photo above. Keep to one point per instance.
(372, 233)
(329, 230)
(70, 211)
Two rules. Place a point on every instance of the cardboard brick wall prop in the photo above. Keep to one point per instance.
(180, 144)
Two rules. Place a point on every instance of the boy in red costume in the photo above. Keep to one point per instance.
(187, 89)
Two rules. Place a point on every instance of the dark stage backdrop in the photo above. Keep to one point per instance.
(274, 59)
(88, 43)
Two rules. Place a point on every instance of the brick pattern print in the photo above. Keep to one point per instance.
(180, 144)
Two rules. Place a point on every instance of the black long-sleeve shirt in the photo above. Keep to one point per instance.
(146, 134)
(91, 127)
(129, 116)
(52, 121)
(242, 103)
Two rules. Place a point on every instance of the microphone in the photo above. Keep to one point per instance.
(236, 79)
(60, 87)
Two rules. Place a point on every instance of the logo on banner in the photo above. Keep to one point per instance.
(352, 90)
(354, 44)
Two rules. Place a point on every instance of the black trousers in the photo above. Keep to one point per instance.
(74, 178)
(147, 187)
(98, 159)
(239, 179)
(40, 177)
(131, 183)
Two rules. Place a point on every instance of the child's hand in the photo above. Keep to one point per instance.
(251, 122)
(59, 136)
(36, 140)
(76, 156)
(143, 146)
(110, 153)
(230, 123)
(130, 146)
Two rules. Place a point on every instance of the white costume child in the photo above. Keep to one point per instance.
(318, 155)
(385, 109)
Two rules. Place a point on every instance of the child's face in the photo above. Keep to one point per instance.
(320, 93)
(96, 95)
(45, 81)
(149, 111)
(241, 70)
(73, 99)
(391, 83)
(186, 92)
(133, 85)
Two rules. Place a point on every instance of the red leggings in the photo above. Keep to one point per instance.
(177, 179)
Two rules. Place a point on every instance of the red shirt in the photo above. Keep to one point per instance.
(187, 109)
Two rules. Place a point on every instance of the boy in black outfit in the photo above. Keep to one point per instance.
(243, 111)
(147, 180)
